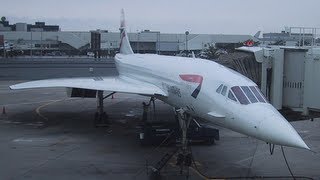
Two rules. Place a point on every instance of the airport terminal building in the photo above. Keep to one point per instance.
(42, 38)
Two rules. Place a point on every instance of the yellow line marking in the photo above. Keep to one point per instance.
(27, 103)
(44, 105)
(194, 170)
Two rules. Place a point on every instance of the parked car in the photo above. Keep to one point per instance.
(90, 54)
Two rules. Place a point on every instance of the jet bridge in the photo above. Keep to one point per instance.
(288, 76)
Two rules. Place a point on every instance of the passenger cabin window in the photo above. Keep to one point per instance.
(240, 95)
(219, 89)
(224, 90)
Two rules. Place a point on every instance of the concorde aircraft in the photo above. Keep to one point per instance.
(195, 87)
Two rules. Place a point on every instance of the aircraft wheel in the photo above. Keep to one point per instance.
(210, 141)
(105, 118)
(96, 119)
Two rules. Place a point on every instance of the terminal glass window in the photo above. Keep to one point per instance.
(257, 94)
(224, 90)
(219, 88)
(231, 96)
(240, 95)
(249, 94)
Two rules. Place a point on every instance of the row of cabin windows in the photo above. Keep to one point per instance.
(243, 94)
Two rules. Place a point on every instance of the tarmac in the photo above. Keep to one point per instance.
(45, 135)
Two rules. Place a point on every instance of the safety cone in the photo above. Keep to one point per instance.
(4, 110)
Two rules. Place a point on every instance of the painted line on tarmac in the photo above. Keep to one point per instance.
(250, 157)
(47, 104)
(27, 103)
(200, 175)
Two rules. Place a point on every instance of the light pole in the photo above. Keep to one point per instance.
(31, 45)
(158, 42)
(41, 43)
(138, 48)
(187, 33)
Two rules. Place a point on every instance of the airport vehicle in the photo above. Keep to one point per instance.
(194, 87)
(90, 54)
(155, 133)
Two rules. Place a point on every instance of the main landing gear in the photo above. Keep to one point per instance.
(101, 117)
(146, 107)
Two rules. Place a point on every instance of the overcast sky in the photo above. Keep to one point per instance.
(168, 16)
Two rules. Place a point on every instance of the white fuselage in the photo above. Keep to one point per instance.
(260, 120)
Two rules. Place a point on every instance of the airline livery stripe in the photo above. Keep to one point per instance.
(192, 78)
(195, 79)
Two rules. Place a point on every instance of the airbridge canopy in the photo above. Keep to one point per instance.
(288, 76)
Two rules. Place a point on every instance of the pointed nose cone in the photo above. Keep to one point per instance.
(277, 130)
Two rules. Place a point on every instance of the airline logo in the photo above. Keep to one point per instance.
(193, 78)
(249, 43)
(122, 28)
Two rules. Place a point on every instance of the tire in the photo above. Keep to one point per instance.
(210, 141)
(96, 119)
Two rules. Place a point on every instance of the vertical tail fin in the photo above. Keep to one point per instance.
(125, 47)
(257, 35)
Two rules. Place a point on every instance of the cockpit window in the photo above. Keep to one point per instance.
(231, 96)
(219, 88)
(249, 94)
(224, 90)
(257, 94)
(240, 95)
(262, 95)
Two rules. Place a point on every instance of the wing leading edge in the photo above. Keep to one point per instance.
(116, 84)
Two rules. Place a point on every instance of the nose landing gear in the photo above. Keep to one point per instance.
(184, 157)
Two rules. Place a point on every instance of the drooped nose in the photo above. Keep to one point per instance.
(276, 129)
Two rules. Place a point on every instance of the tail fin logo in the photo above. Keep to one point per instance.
(125, 47)
(123, 35)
